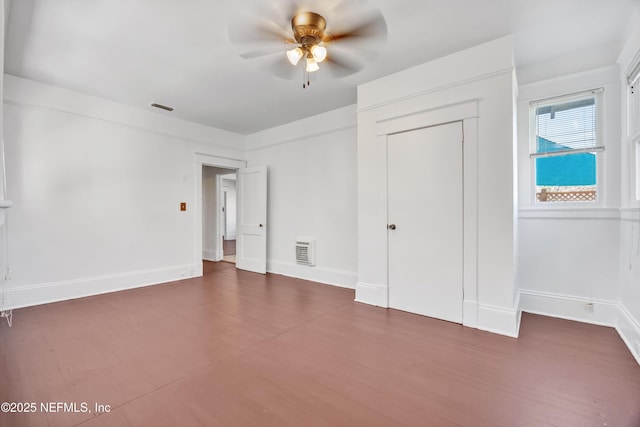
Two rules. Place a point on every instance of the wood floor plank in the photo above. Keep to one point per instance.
(235, 348)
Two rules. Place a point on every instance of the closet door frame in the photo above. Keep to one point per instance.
(467, 113)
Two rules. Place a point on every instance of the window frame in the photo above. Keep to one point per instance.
(633, 127)
(636, 164)
(633, 107)
(599, 151)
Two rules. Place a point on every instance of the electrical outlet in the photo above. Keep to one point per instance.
(590, 307)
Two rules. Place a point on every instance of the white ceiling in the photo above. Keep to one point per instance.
(178, 52)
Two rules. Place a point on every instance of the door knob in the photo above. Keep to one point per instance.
(391, 226)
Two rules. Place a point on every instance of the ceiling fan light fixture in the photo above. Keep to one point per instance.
(294, 55)
(319, 53)
(309, 41)
(312, 65)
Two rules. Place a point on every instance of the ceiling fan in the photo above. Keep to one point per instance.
(357, 36)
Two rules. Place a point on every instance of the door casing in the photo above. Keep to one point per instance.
(200, 161)
(467, 112)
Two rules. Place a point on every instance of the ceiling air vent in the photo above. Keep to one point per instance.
(162, 107)
(305, 250)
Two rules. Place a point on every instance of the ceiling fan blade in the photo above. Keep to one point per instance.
(290, 9)
(341, 65)
(277, 13)
(265, 32)
(373, 27)
(256, 53)
(344, 8)
(281, 68)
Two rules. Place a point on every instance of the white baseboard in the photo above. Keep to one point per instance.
(498, 320)
(605, 313)
(26, 296)
(470, 313)
(518, 310)
(199, 269)
(371, 294)
(341, 278)
(210, 255)
(629, 330)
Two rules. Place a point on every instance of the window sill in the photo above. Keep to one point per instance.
(572, 212)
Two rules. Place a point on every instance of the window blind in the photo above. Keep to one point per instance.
(566, 126)
(634, 73)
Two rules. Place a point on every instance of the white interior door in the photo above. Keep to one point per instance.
(251, 240)
(425, 195)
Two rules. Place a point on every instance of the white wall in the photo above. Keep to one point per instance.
(629, 324)
(570, 258)
(97, 187)
(568, 253)
(483, 75)
(312, 192)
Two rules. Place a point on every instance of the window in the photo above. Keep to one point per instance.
(637, 147)
(633, 114)
(565, 147)
(633, 117)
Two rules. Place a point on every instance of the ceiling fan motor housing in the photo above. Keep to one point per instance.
(308, 28)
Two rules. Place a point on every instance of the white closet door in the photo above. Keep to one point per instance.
(425, 196)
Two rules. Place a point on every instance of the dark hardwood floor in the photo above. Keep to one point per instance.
(241, 349)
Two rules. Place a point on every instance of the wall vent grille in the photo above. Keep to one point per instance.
(305, 251)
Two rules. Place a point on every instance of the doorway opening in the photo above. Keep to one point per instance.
(251, 212)
(218, 214)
